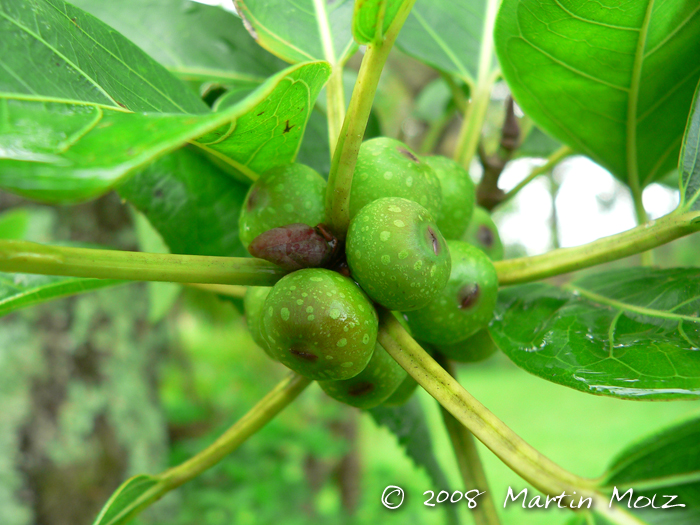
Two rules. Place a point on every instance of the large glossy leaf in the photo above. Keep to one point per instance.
(632, 333)
(66, 152)
(667, 462)
(193, 41)
(303, 30)
(452, 36)
(689, 166)
(612, 83)
(193, 205)
(536, 143)
(53, 51)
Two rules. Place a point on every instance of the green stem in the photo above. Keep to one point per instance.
(469, 463)
(266, 409)
(353, 131)
(470, 132)
(526, 461)
(510, 448)
(435, 131)
(29, 257)
(631, 242)
(642, 217)
(458, 95)
(554, 159)
(230, 290)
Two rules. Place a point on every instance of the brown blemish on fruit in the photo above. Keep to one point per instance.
(433, 238)
(360, 389)
(485, 236)
(468, 295)
(254, 199)
(299, 353)
(408, 154)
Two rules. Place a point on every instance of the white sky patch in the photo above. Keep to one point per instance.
(659, 200)
(226, 4)
(590, 204)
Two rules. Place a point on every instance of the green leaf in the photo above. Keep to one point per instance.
(537, 143)
(193, 205)
(126, 499)
(452, 36)
(195, 42)
(614, 84)
(52, 51)
(372, 18)
(301, 31)
(689, 166)
(433, 101)
(65, 152)
(667, 462)
(314, 150)
(632, 333)
(19, 290)
(407, 422)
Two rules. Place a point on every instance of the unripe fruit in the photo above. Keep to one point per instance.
(320, 324)
(292, 193)
(458, 196)
(466, 303)
(483, 234)
(397, 254)
(372, 386)
(253, 303)
(388, 168)
(476, 348)
(403, 393)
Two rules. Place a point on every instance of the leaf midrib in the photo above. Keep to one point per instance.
(633, 102)
(620, 305)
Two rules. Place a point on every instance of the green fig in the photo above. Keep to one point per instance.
(483, 234)
(397, 254)
(403, 393)
(253, 304)
(388, 168)
(288, 194)
(320, 324)
(476, 348)
(465, 305)
(458, 196)
(372, 386)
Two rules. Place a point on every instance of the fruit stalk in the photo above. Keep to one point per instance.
(526, 461)
(29, 257)
(354, 124)
(554, 159)
(262, 413)
(469, 463)
(564, 260)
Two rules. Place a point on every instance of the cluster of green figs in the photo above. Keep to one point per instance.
(417, 245)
